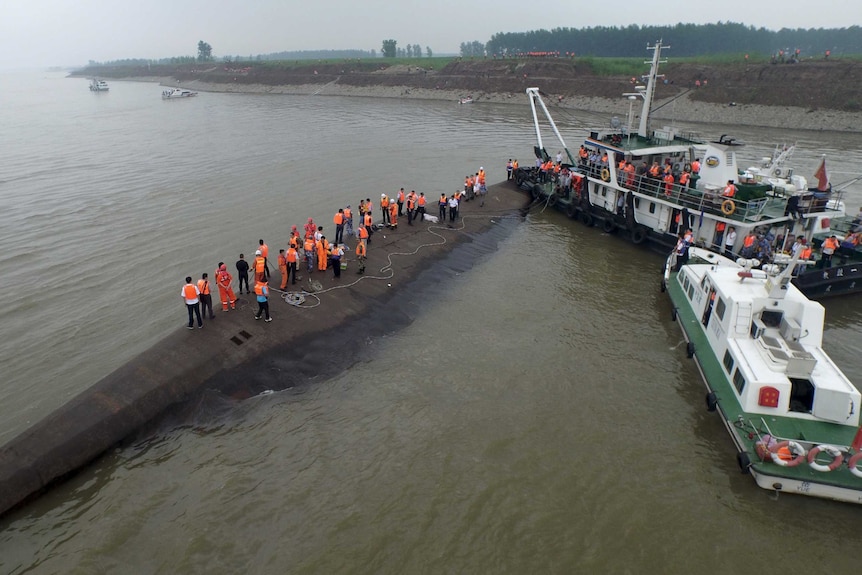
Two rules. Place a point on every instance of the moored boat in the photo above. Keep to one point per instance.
(757, 341)
(652, 185)
(97, 85)
(175, 93)
(467, 100)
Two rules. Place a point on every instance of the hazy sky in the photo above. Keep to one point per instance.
(36, 33)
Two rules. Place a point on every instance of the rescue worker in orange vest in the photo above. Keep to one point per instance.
(748, 245)
(206, 296)
(292, 257)
(420, 208)
(468, 186)
(400, 201)
(310, 228)
(729, 190)
(630, 175)
(261, 269)
(264, 249)
(384, 208)
(368, 225)
(282, 269)
(583, 156)
(322, 254)
(191, 295)
(654, 170)
(411, 207)
(668, 184)
(361, 250)
(719, 234)
(684, 179)
(695, 166)
(393, 214)
(338, 220)
(335, 253)
(294, 239)
(224, 279)
(261, 290)
(308, 248)
(348, 221)
(830, 246)
(442, 203)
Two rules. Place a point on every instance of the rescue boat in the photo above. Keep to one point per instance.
(601, 185)
(756, 339)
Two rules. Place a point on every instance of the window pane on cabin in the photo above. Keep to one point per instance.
(719, 309)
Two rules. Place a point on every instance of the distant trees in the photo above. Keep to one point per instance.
(428, 52)
(205, 52)
(389, 48)
(474, 48)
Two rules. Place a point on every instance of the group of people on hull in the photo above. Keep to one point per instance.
(312, 247)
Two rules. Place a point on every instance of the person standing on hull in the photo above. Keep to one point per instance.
(322, 254)
(282, 269)
(420, 207)
(453, 208)
(242, 273)
(348, 220)
(206, 296)
(264, 249)
(384, 208)
(261, 270)
(368, 224)
(261, 290)
(191, 295)
(441, 205)
(411, 207)
(292, 256)
(338, 220)
(361, 251)
(393, 215)
(309, 248)
(400, 202)
(335, 254)
(224, 280)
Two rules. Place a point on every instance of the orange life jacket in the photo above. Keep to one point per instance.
(384, 202)
(291, 255)
(204, 286)
(189, 292)
(264, 250)
(309, 244)
(363, 233)
(258, 288)
(259, 264)
(369, 221)
(749, 241)
(805, 254)
(401, 196)
(421, 201)
(360, 250)
(282, 262)
(338, 219)
(347, 213)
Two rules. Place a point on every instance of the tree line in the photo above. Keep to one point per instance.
(686, 39)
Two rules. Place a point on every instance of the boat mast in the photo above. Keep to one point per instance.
(534, 95)
(643, 128)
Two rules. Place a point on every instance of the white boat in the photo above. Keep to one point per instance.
(757, 341)
(177, 93)
(607, 183)
(97, 85)
(467, 100)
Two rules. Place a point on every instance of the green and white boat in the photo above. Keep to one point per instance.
(757, 341)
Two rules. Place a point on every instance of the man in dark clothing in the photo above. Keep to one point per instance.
(242, 273)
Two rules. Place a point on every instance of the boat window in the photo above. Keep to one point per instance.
(685, 283)
(691, 292)
(719, 309)
(738, 381)
(604, 191)
(652, 207)
(637, 203)
(728, 362)
(771, 318)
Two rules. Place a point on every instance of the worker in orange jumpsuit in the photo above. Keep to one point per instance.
(361, 250)
(282, 269)
(310, 228)
(393, 215)
(322, 254)
(668, 184)
(224, 279)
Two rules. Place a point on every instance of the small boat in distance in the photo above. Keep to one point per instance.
(174, 93)
(757, 341)
(467, 100)
(97, 85)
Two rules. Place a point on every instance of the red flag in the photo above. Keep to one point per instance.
(822, 176)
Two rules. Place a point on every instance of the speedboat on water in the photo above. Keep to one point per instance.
(177, 93)
(650, 185)
(757, 342)
(467, 100)
(97, 85)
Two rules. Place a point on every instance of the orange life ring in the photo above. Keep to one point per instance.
(790, 447)
(837, 458)
(728, 206)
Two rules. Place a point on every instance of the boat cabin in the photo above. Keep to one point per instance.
(767, 337)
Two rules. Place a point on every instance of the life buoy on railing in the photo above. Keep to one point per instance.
(783, 454)
(605, 174)
(778, 172)
(837, 458)
(852, 462)
(728, 207)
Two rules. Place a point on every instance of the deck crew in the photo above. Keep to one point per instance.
(411, 207)
(393, 215)
(335, 253)
(264, 249)
(400, 201)
(827, 249)
(384, 207)
(308, 248)
(282, 269)
(729, 190)
(509, 168)
(338, 220)
(348, 220)
(261, 270)
(292, 257)
(322, 254)
(242, 273)
(206, 296)
(420, 207)
(223, 280)
(441, 207)
(191, 295)
(261, 290)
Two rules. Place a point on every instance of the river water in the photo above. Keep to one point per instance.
(538, 415)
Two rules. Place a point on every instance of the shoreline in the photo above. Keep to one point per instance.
(683, 109)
